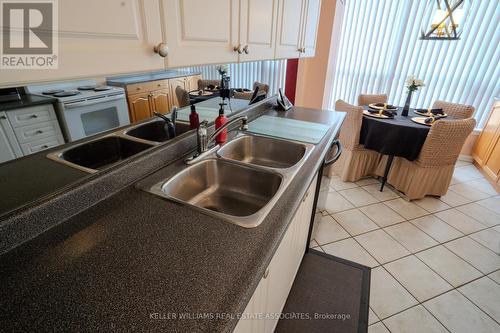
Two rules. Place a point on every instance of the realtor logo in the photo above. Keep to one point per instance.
(29, 34)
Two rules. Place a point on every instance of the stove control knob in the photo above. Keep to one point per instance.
(161, 49)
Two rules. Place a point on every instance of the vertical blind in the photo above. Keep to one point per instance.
(243, 75)
(380, 46)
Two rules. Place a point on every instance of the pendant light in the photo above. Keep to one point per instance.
(444, 20)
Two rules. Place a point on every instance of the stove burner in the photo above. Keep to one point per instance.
(67, 93)
(90, 87)
(52, 92)
(102, 88)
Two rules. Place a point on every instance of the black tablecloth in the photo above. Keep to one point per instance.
(197, 98)
(399, 136)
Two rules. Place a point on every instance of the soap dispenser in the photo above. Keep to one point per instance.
(219, 122)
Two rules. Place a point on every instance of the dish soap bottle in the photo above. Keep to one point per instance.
(219, 122)
(194, 119)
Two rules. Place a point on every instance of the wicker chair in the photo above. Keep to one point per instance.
(248, 94)
(457, 111)
(431, 172)
(355, 162)
(365, 99)
(182, 96)
(202, 84)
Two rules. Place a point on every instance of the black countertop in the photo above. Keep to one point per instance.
(134, 259)
(25, 101)
(145, 77)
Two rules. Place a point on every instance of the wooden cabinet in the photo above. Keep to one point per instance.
(271, 293)
(297, 28)
(487, 149)
(9, 148)
(139, 107)
(142, 105)
(182, 82)
(160, 101)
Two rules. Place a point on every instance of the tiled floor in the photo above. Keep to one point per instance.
(435, 262)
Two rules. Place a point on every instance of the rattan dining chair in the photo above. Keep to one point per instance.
(431, 172)
(457, 111)
(182, 96)
(365, 99)
(356, 161)
(248, 94)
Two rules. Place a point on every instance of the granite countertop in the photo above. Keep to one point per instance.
(25, 101)
(136, 262)
(145, 77)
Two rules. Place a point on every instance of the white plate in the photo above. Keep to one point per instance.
(373, 106)
(421, 120)
(375, 115)
(205, 93)
(444, 115)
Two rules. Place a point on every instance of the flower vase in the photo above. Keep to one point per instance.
(407, 104)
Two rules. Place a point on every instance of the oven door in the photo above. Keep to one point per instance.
(93, 116)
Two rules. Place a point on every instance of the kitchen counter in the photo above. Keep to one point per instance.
(25, 101)
(145, 77)
(136, 262)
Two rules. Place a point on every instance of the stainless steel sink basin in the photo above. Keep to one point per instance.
(98, 154)
(263, 151)
(155, 130)
(238, 193)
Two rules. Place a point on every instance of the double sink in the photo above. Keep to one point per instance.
(240, 182)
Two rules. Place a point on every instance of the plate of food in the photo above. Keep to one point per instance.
(201, 93)
(382, 106)
(383, 114)
(430, 112)
(427, 121)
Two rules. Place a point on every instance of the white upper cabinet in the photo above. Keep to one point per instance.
(200, 32)
(297, 28)
(98, 38)
(258, 22)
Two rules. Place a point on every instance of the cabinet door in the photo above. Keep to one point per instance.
(488, 137)
(492, 165)
(177, 82)
(310, 27)
(200, 32)
(193, 82)
(258, 29)
(9, 148)
(98, 38)
(289, 28)
(139, 107)
(160, 101)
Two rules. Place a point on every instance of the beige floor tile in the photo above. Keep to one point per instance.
(372, 317)
(437, 229)
(387, 296)
(382, 214)
(481, 214)
(407, 209)
(476, 254)
(495, 276)
(453, 199)
(377, 328)
(447, 264)
(412, 238)
(355, 222)
(431, 204)
(460, 221)
(386, 194)
(381, 246)
(358, 197)
(337, 184)
(325, 184)
(492, 204)
(334, 203)
(468, 191)
(462, 163)
(327, 230)
(483, 185)
(414, 320)
(367, 181)
(489, 238)
(417, 278)
(467, 173)
(459, 315)
(349, 249)
(485, 293)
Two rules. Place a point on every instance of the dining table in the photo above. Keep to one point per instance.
(399, 136)
(195, 97)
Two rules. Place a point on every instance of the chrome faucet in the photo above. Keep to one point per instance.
(204, 140)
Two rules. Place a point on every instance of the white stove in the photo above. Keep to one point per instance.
(84, 107)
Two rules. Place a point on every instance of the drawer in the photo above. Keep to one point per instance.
(146, 86)
(31, 115)
(42, 144)
(37, 131)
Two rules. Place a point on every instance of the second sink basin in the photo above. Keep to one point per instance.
(264, 151)
(224, 189)
(155, 131)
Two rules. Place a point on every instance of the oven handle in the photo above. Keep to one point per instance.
(94, 101)
(335, 142)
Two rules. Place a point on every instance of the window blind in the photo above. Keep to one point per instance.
(243, 75)
(380, 46)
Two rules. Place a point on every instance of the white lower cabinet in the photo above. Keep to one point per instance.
(263, 309)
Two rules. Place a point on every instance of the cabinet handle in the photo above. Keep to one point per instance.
(45, 146)
(39, 132)
(237, 49)
(245, 49)
(33, 116)
(161, 49)
(266, 273)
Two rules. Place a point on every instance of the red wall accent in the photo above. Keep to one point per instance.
(291, 78)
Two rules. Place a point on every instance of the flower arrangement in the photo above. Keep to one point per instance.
(414, 84)
(223, 69)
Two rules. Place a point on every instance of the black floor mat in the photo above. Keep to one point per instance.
(329, 294)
